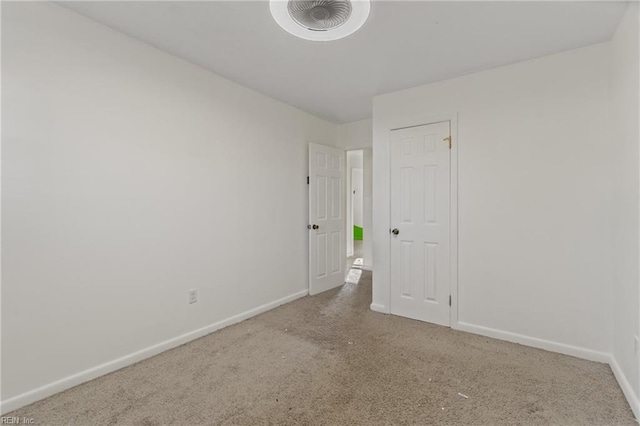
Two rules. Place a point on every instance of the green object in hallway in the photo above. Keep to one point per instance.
(357, 233)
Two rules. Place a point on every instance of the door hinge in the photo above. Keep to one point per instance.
(448, 139)
(449, 300)
(307, 180)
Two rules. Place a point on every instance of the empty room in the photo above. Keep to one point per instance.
(320, 212)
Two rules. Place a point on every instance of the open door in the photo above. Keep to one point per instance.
(327, 223)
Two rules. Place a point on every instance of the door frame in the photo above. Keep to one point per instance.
(415, 121)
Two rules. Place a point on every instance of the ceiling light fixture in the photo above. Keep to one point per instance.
(320, 20)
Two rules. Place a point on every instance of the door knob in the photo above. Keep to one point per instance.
(395, 231)
(314, 226)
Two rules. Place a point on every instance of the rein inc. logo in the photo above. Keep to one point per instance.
(16, 421)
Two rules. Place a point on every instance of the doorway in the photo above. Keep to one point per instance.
(359, 186)
(339, 237)
(357, 210)
(355, 202)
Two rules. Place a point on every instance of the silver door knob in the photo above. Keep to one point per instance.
(395, 231)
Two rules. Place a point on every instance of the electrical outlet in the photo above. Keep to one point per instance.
(193, 295)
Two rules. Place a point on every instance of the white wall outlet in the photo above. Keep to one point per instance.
(193, 295)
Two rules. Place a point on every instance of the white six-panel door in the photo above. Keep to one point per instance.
(327, 222)
(420, 223)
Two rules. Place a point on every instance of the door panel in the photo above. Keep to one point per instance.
(420, 211)
(327, 212)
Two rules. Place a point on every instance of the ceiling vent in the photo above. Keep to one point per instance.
(320, 15)
(320, 20)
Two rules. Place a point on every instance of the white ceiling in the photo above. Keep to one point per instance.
(403, 44)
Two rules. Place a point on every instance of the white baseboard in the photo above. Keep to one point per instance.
(548, 345)
(108, 367)
(379, 308)
(562, 348)
(632, 398)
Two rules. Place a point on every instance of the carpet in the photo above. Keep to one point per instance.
(330, 360)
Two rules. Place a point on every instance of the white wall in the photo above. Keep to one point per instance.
(130, 176)
(356, 135)
(625, 91)
(534, 186)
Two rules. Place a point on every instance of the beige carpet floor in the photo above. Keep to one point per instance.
(329, 360)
